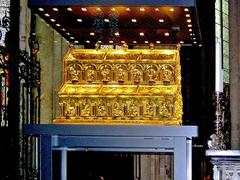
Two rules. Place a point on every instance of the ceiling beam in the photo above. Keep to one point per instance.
(185, 3)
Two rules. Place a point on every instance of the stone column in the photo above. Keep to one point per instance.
(234, 25)
(45, 36)
(52, 49)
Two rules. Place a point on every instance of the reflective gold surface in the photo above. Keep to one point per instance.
(121, 87)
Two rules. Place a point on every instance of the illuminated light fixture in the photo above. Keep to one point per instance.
(156, 9)
(63, 29)
(55, 9)
(135, 42)
(69, 9)
(87, 41)
(68, 34)
(84, 9)
(190, 30)
(127, 9)
(122, 41)
(111, 42)
(171, 9)
(40, 9)
(99, 9)
(158, 42)
(72, 37)
(191, 34)
(186, 9)
(113, 9)
(141, 34)
(79, 20)
(142, 9)
(99, 41)
(133, 20)
(146, 42)
(189, 20)
(92, 33)
(161, 20)
(189, 25)
(46, 14)
(58, 25)
(187, 15)
(166, 34)
(195, 42)
(106, 20)
(76, 42)
(194, 38)
(181, 42)
(53, 20)
(116, 34)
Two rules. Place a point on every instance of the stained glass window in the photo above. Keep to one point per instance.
(222, 32)
(4, 19)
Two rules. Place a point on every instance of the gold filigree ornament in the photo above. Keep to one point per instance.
(121, 86)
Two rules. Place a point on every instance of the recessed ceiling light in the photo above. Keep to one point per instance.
(194, 38)
(55, 9)
(189, 20)
(69, 9)
(142, 9)
(92, 33)
(181, 42)
(106, 20)
(161, 20)
(146, 42)
(195, 42)
(72, 37)
(79, 20)
(47, 15)
(116, 34)
(133, 20)
(99, 41)
(156, 9)
(63, 29)
(111, 42)
(99, 9)
(187, 15)
(58, 25)
(171, 9)
(166, 34)
(53, 20)
(134, 42)
(191, 34)
(84, 9)
(190, 30)
(186, 9)
(158, 42)
(141, 34)
(127, 9)
(76, 42)
(122, 41)
(40, 9)
(87, 41)
(189, 25)
(68, 34)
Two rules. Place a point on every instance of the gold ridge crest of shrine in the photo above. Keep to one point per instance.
(125, 87)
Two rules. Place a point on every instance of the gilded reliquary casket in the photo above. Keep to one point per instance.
(125, 87)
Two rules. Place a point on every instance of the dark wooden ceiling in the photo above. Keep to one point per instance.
(118, 24)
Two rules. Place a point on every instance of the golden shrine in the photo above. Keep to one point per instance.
(121, 86)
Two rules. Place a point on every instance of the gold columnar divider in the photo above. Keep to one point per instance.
(121, 86)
